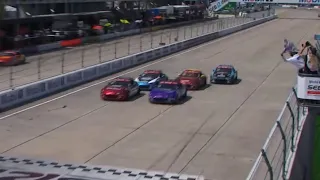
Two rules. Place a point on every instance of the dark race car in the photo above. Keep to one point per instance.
(120, 89)
(170, 92)
(224, 74)
(193, 79)
(150, 78)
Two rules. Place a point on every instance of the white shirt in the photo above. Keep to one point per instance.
(297, 61)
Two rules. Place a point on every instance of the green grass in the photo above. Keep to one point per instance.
(316, 152)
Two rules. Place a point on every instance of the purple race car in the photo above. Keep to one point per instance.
(170, 92)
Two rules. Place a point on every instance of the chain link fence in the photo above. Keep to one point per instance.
(55, 63)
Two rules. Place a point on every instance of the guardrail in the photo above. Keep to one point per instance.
(276, 156)
(55, 63)
(36, 90)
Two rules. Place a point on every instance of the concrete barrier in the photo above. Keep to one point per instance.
(36, 90)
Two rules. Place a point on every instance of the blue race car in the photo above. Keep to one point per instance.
(224, 74)
(170, 91)
(150, 78)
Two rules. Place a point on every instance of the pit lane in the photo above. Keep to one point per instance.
(53, 63)
(217, 132)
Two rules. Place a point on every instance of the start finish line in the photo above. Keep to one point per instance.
(304, 2)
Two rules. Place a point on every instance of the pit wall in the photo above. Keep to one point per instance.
(34, 91)
(306, 162)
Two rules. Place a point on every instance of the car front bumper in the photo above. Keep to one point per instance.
(221, 80)
(162, 100)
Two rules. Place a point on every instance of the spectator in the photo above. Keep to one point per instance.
(289, 47)
(311, 61)
(307, 63)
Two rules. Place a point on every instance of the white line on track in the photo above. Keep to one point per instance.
(134, 70)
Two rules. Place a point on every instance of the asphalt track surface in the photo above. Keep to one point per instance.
(217, 132)
(55, 63)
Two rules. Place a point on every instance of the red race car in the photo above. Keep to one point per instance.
(120, 89)
(11, 58)
(193, 79)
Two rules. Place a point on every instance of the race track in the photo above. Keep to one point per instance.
(55, 63)
(217, 132)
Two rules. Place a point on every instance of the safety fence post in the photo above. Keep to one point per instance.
(115, 50)
(62, 62)
(203, 25)
(39, 67)
(82, 56)
(141, 43)
(129, 45)
(298, 108)
(151, 35)
(265, 157)
(292, 126)
(100, 55)
(11, 77)
(284, 150)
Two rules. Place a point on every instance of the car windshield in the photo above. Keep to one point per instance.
(119, 83)
(190, 74)
(167, 86)
(149, 75)
(227, 70)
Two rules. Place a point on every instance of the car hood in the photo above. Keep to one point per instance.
(113, 89)
(188, 80)
(145, 79)
(221, 73)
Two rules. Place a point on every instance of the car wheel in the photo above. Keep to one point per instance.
(139, 91)
(23, 61)
(184, 95)
(205, 82)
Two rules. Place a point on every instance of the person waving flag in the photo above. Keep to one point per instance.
(290, 48)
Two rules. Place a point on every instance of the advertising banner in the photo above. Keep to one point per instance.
(308, 88)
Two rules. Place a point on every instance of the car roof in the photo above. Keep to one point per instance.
(152, 71)
(225, 66)
(9, 52)
(192, 70)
